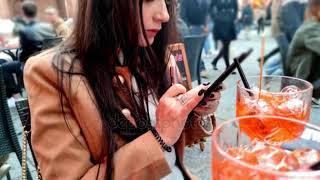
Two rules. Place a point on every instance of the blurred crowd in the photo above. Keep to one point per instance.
(25, 35)
(294, 25)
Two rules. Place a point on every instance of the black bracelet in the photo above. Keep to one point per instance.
(160, 140)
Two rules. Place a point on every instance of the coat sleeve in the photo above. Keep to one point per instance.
(66, 148)
(312, 39)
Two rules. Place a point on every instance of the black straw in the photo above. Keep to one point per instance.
(316, 166)
(243, 76)
(226, 73)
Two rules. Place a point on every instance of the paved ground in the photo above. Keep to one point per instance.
(200, 162)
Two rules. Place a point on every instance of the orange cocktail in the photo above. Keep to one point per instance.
(235, 155)
(279, 96)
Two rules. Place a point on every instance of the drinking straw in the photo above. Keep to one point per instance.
(315, 166)
(243, 76)
(263, 44)
(226, 73)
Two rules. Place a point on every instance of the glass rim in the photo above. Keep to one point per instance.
(257, 168)
(310, 86)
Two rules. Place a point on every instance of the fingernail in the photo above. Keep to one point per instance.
(201, 92)
(206, 83)
(211, 96)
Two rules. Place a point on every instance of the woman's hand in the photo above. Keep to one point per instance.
(210, 104)
(173, 110)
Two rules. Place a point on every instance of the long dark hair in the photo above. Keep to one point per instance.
(102, 29)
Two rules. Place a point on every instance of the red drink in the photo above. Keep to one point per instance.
(264, 156)
(286, 97)
(235, 155)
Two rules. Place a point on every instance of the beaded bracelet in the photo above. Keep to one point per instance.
(160, 140)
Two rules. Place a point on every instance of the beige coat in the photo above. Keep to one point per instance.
(70, 149)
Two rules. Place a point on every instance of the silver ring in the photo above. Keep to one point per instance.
(182, 99)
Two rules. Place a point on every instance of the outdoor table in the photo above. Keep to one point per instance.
(315, 116)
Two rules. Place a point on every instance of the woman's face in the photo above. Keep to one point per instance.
(154, 13)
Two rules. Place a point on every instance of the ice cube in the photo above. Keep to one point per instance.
(292, 106)
(264, 107)
(291, 91)
(292, 162)
(251, 106)
(306, 156)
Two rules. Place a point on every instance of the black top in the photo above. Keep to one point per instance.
(195, 12)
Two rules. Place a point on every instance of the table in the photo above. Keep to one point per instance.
(315, 116)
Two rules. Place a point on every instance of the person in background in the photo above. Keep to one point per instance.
(246, 17)
(59, 26)
(304, 53)
(33, 33)
(224, 14)
(272, 64)
(183, 28)
(19, 24)
(261, 14)
(195, 14)
(292, 16)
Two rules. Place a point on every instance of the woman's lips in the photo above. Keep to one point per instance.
(152, 32)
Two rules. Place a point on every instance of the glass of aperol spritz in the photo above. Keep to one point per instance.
(275, 96)
(236, 155)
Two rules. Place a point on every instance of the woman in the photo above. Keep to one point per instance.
(304, 51)
(110, 112)
(224, 14)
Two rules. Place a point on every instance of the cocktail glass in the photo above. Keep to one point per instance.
(236, 155)
(279, 96)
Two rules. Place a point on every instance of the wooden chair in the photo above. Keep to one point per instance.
(179, 53)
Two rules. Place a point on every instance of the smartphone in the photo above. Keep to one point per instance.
(214, 86)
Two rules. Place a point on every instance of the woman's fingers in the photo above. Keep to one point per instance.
(175, 90)
(194, 96)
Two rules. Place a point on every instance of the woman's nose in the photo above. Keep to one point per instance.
(162, 13)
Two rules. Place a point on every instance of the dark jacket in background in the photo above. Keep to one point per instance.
(195, 12)
(291, 18)
(247, 15)
(32, 36)
(304, 55)
(224, 14)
